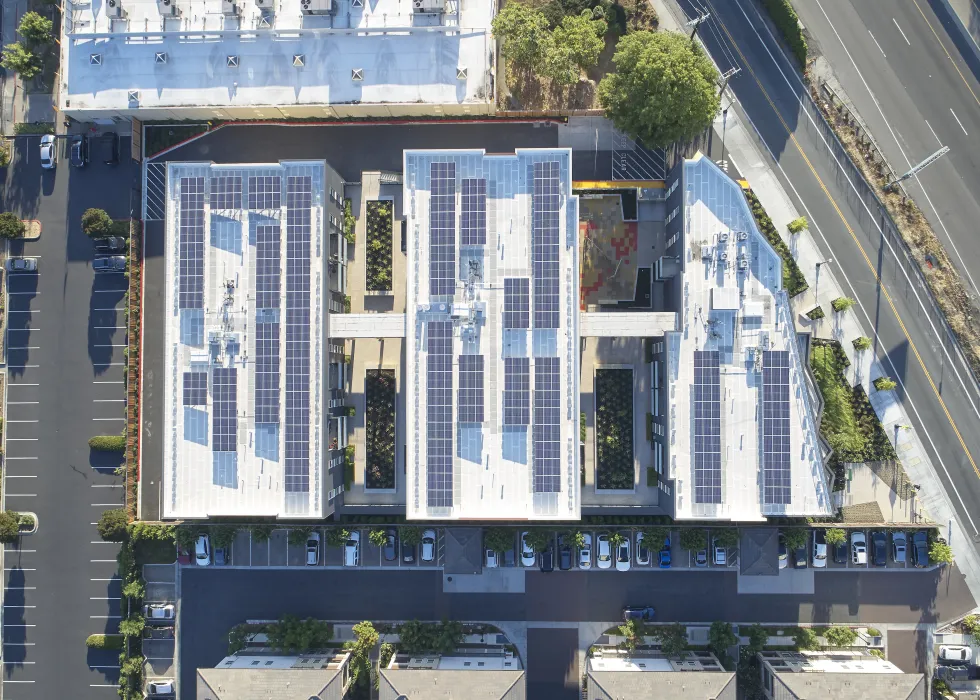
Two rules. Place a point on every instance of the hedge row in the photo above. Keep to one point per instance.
(104, 641)
(784, 17)
(793, 280)
(107, 443)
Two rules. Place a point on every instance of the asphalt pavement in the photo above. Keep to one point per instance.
(64, 372)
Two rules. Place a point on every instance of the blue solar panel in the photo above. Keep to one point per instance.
(707, 427)
(439, 410)
(267, 372)
(470, 401)
(776, 481)
(226, 192)
(473, 214)
(264, 191)
(190, 244)
(517, 302)
(517, 391)
(267, 261)
(224, 409)
(545, 208)
(195, 388)
(547, 425)
(442, 229)
(299, 198)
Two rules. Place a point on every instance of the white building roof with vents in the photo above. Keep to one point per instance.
(243, 359)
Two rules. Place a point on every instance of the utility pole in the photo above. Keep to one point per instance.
(921, 166)
(696, 22)
(726, 76)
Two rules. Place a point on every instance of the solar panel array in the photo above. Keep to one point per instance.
(226, 192)
(517, 302)
(545, 248)
(707, 427)
(195, 388)
(473, 217)
(439, 423)
(547, 426)
(442, 229)
(517, 391)
(267, 372)
(264, 191)
(224, 409)
(190, 244)
(299, 199)
(470, 399)
(776, 482)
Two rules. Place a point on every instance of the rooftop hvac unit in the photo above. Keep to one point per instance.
(168, 8)
(266, 19)
(433, 6)
(723, 236)
(228, 8)
(743, 235)
(115, 9)
(316, 7)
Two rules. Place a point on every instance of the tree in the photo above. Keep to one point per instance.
(758, 638)
(694, 538)
(112, 525)
(616, 539)
(632, 633)
(578, 539)
(414, 637)
(11, 226)
(410, 535)
(726, 537)
(672, 638)
(842, 304)
(581, 38)
(796, 537)
(20, 60)
(185, 536)
(96, 223)
(365, 639)
(805, 639)
(538, 538)
(500, 539)
(655, 537)
(556, 63)
(384, 654)
(134, 590)
(379, 538)
(298, 536)
(798, 225)
(721, 638)
(336, 536)
(664, 88)
(9, 526)
(295, 636)
(449, 635)
(222, 536)
(132, 626)
(261, 533)
(835, 536)
(884, 384)
(35, 29)
(940, 552)
(523, 32)
(861, 343)
(840, 636)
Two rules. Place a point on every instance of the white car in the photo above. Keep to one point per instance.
(161, 687)
(49, 152)
(859, 549)
(157, 611)
(819, 549)
(352, 549)
(202, 550)
(720, 554)
(313, 549)
(604, 551)
(428, 545)
(22, 264)
(955, 654)
(527, 552)
(642, 553)
(701, 558)
(623, 555)
(491, 559)
(585, 553)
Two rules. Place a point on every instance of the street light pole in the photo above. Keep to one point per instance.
(816, 283)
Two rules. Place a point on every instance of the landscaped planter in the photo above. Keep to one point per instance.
(379, 429)
(28, 522)
(377, 264)
(614, 429)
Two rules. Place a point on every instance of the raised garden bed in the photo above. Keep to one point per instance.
(378, 245)
(379, 429)
(793, 280)
(614, 429)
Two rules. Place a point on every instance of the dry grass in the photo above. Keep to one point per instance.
(945, 283)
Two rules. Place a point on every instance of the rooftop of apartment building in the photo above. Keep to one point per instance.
(491, 332)
(695, 676)
(475, 677)
(243, 327)
(744, 442)
(825, 673)
(129, 55)
(260, 677)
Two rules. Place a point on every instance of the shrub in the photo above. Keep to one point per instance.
(614, 429)
(835, 536)
(379, 422)
(378, 246)
(815, 314)
(726, 536)
(798, 224)
(693, 538)
(9, 526)
(4, 153)
(134, 590)
(297, 537)
(841, 304)
(132, 626)
(940, 552)
(349, 221)
(112, 642)
(384, 655)
(840, 636)
(379, 538)
(784, 17)
(410, 534)
(112, 525)
(861, 343)
(107, 443)
(500, 539)
(884, 384)
(222, 536)
(261, 533)
(11, 226)
(336, 536)
(805, 639)
(793, 280)
(96, 223)
(877, 653)
(874, 632)
(795, 537)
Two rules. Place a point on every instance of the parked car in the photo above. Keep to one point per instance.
(623, 555)
(352, 549)
(547, 559)
(719, 553)
(313, 549)
(701, 557)
(859, 549)
(634, 612)
(428, 545)
(604, 551)
(391, 545)
(879, 548)
(664, 554)
(110, 264)
(783, 552)
(221, 556)
(899, 543)
(954, 654)
(585, 553)
(159, 688)
(564, 553)
(490, 557)
(202, 550)
(527, 552)
(158, 612)
(920, 549)
(408, 552)
(840, 552)
(642, 553)
(22, 264)
(800, 557)
(509, 557)
(819, 549)
(954, 673)
(49, 152)
(109, 244)
(109, 148)
(79, 151)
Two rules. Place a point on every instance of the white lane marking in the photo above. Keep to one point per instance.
(123, 418)
(902, 33)
(107, 291)
(10, 458)
(23, 421)
(102, 401)
(107, 486)
(20, 606)
(10, 439)
(106, 505)
(114, 308)
(104, 617)
(11, 403)
(22, 551)
(877, 44)
(21, 476)
(109, 328)
(111, 345)
(14, 384)
(103, 598)
(24, 347)
(958, 120)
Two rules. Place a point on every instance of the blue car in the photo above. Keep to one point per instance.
(665, 555)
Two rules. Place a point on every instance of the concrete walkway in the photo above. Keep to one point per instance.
(16, 104)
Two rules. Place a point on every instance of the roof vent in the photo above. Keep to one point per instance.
(160, 57)
(231, 61)
(357, 74)
(95, 59)
(460, 73)
(134, 96)
(266, 19)
(115, 9)
(299, 60)
(357, 3)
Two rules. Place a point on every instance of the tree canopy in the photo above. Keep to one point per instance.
(18, 58)
(35, 29)
(96, 223)
(11, 226)
(523, 31)
(663, 90)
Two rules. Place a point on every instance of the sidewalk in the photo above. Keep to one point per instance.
(16, 105)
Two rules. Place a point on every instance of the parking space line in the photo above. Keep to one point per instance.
(107, 291)
(30, 366)
(103, 561)
(114, 308)
(22, 551)
(22, 421)
(23, 347)
(107, 486)
(123, 418)
(102, 541)
(105, 597)
(21, 588)
(20, 606)
(102, 579)
(17, 663)
(105, 666)
(11, 403)
(21, 495)
(12, 625)
(15, 330)
(19, 293)
(21, 476)
(10, 439)
(10, 458)
(101, 685)
(23, 311)
(104, 617)
(102, 381)
(112, 345)
(105, 401)
(105, 505)
(19, 644)
(11, 385)
(10, 681)
(16, 568)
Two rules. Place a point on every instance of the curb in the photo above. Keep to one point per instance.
(36, 523)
